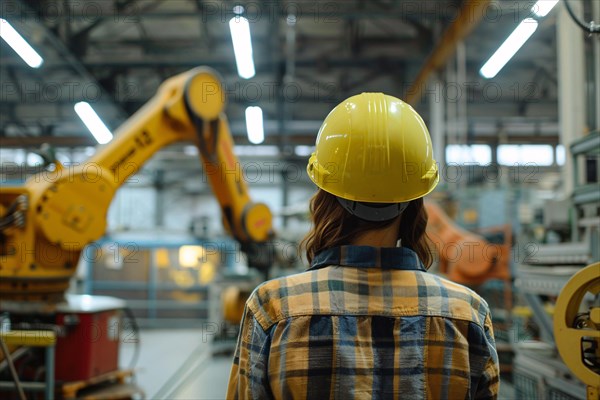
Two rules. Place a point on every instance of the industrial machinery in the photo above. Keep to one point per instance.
(465, 257)
(577, 327)
(551, 271)
(46, 223)
(471, 259)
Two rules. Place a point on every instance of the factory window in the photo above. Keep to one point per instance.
(64, 155)
(34, 159)
(13, 156)
(560, 155)
(190, 150)
(241, 150)
(520, 154)
(475, 153)
(304, 151)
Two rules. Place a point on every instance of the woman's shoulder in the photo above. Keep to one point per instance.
(294, 295)
(463, 302)
(274, 299)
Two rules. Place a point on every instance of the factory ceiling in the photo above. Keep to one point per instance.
(309, 55)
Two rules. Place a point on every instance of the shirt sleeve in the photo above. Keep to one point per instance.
(489, 384)
(249, 373)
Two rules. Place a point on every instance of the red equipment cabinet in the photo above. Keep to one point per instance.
(88, 345)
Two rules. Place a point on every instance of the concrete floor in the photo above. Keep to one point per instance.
(179, 365)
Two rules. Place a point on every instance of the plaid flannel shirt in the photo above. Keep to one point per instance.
(365, 322)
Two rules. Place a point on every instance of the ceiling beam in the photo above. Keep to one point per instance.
(263, 66)
(326, 12)
(71, 61)
(470, 15)
(33, 142)
(307, 97)
(37, 141)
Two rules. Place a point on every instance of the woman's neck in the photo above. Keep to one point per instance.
(385, 237)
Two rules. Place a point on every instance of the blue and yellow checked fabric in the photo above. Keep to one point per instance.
(362, 323)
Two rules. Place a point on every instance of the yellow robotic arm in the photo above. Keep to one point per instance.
(46, 223)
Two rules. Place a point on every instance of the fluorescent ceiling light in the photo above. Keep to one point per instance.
(242, 46)
(254, 125)
(543, 7)
(508, 49)
(93, 122)
(19, 45)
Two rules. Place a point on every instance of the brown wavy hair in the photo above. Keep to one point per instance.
(333, 226)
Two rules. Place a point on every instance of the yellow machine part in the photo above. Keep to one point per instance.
(29, 338)
(573, 332)
(66, 209)
(233, 299)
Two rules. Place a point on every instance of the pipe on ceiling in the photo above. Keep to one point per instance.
(468, 18)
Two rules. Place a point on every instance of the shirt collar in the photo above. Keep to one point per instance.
(369, 257)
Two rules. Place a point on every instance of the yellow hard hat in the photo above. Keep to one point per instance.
(374, 148)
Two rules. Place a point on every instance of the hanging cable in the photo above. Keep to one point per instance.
(590, 27)
(14, 215)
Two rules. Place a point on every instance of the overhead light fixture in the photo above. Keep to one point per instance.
(242, 46)
(19, 45)
(543, 7)
(254, 124)
(508, 49)
(93, 122)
